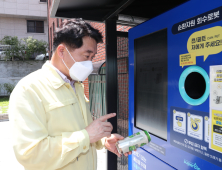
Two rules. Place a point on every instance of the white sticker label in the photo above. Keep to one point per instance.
(206, 129)
(179, 122)
(215, 117)
(217, 139)
(195, 126)
(216, 86)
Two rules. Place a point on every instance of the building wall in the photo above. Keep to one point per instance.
(101, 50)
(53, 25)
(13, 22)
(12, 26)
(13, 71)
(33, 8)
(14, 15)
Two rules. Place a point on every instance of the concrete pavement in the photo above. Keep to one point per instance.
(7, 157)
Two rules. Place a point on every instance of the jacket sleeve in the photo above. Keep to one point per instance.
(101, 143)
(33, 146)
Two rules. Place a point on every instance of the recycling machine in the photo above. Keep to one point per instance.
(175, 88)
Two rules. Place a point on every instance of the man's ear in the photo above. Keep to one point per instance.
(60, 51)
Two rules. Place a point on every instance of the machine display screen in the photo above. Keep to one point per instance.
(151, 83)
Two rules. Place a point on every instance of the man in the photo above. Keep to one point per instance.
(51, 122)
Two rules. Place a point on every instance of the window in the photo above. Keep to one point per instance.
(35, 26)
(42, 0)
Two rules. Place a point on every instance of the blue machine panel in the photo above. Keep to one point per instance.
(194, 43)
(144, 160)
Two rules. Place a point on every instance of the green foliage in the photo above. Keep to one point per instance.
(23, 49)
(9, 40)
(9, 87)
(1, 87)
(34, 46)
(16, 50)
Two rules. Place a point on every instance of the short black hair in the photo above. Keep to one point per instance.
(72, 31)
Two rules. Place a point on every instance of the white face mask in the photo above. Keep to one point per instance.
(79, 70)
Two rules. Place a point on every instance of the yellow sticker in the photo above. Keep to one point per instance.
(205, 42)
(187, 59)
(216, 130)
(188, 114)
(195, 124)
(179, 123)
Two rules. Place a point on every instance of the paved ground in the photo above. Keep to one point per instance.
(101, 159)
(8, 160)
(7, 157)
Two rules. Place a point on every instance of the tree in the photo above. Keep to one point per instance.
(23, 49)
(9, 40)
(34, 46)
(16, 48)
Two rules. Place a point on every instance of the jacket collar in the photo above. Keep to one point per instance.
(51, 74)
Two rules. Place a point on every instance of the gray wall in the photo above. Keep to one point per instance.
(13, 71)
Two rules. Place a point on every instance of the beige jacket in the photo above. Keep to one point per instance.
(48, 121)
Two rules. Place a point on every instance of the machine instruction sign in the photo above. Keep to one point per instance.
(216, 108)
(195, 126)
(194, 136)
(202, 43)
(198, 21)
(179, 122)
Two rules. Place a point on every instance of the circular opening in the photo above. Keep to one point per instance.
(195, 85)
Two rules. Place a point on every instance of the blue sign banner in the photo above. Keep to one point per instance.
(198, 21)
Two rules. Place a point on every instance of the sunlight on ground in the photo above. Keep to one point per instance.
(4, 101)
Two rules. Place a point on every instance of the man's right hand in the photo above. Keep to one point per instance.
(100, 128)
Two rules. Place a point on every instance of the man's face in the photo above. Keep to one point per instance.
(84, 53)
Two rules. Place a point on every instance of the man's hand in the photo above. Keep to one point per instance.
(100, 128)
(110, 144)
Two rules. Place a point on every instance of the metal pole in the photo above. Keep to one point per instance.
(111, 82)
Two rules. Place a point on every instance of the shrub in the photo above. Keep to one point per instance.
(23, 49)
(16, 50)
(9, 87)
(34, 46)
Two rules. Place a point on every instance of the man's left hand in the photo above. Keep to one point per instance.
(110, 144)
